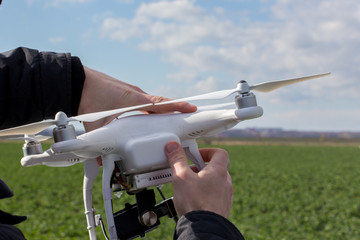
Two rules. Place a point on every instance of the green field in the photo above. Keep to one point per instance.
(280, 192)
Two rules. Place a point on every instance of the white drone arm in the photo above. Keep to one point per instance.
(248, 113)
(49, 158)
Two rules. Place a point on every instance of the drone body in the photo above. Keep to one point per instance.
(136, 144)
(139, 140)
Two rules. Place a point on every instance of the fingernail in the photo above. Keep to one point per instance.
(194, 107)
(171, 147)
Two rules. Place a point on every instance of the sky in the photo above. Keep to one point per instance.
(187, 47)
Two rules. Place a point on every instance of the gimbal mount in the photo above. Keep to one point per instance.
(137, 219)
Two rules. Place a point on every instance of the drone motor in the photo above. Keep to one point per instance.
(32, 147)
(245, 98)
(64, 132)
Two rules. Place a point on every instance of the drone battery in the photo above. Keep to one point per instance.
(147, 153)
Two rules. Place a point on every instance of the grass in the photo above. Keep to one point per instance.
(280, 192)
(296, 192)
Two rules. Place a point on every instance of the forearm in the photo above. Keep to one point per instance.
(35, 85)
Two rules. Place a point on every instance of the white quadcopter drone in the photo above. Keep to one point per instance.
(133, 151)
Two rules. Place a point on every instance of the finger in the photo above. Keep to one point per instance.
(183, 107)
(215, 156)
(177, 159)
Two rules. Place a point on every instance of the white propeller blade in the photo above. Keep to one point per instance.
(207, 96)
(92, 117)
(262, 87)
(270, 86)
(30, 129)
(33, 128)
(38, 138)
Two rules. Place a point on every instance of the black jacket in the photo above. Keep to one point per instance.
(36, 85)
(7, 231)
(205, 225)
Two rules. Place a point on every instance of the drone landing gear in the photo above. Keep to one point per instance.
(137, 219)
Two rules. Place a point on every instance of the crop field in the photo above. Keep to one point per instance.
(280, 192)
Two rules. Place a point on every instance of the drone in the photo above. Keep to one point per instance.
(132, 149)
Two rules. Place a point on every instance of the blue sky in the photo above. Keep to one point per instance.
(188, 47)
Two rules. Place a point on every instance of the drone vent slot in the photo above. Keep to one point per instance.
(107, 149)
(73, 160)
(196, 133)
(160, 176)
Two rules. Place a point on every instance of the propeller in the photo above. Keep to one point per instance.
(207, 96)
(92, 117)
(62, 119)
(30, 129)
(29, 138)
(262, 87)
(270, 86)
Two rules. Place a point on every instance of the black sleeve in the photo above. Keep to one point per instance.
(205, 225)
(9, 232)
(36, 85)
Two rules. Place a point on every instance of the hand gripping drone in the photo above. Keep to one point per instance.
(132, 151)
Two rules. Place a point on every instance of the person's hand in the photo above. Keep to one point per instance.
(209, 189)
(102, 92)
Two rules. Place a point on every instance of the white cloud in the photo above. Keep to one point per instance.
(71, 1)
(30, 2)
(125, 1)
(99, 17)
(56, 40)
(57, 3)
(298, 38)
(206, 85)
(178, 10)
(119, 29)
(183, 76)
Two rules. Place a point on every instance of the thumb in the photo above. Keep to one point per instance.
(176, 157)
